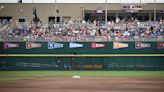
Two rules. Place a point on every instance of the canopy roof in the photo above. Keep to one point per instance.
(83, 1)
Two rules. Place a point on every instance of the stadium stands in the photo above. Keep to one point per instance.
(122, 31)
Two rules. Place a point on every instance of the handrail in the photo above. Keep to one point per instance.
(80, 39)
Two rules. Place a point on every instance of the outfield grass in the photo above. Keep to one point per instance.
(6, 76)
(81, 73)
(13, 79)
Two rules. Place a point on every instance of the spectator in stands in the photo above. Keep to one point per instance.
(71, 31)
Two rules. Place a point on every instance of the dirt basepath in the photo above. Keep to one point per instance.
(85, 84)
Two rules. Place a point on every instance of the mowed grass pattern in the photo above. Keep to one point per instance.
(13, 79)
(6, 76)
(81, 73)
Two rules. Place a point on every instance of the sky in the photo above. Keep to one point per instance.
(82, 1)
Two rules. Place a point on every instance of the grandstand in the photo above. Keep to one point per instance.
(81, 45)
(82, 35)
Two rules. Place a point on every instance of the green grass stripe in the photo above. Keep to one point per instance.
(3, 79)
(82, 73)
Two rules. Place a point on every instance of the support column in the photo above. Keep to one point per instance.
(155, 12)
(116, 14)
(61, 19)
(106, 12)
(82, 12)
(150, 16)
(55, 14)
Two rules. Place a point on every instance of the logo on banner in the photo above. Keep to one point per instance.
(31, 45)
(53, 45)
(97, 45)
(117, 45)
(8, 45)
(140, 45)
(75, 45)
(160, 45)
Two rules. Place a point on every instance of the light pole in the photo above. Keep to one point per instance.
(155, 8)
(106, 12)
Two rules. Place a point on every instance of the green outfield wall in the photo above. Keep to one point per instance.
(84, 58)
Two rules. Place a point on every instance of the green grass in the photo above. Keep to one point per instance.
(13, 79)
(82, 73)
(6, 76)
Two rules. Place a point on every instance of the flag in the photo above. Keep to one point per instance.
(53, 45)
(140, 45)
(8, 45)
(97, 45)
(75, 45)
(31, 45)
(117, 45)
(160, 45)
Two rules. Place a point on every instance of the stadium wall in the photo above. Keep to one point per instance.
(85, 58)
(65, 10)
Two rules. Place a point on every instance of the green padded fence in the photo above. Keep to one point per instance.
(77, 58)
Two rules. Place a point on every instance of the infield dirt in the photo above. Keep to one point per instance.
(85, 84)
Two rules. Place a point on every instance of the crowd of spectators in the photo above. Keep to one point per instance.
(83, 31)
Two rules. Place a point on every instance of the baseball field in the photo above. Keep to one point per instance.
(89, 81)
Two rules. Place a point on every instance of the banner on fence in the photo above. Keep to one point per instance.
(9, 45)
(97, 45)
(118, 45)
(31, 45)
(75, 45)
(140, 45)
(53, 45)
(160, 45)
